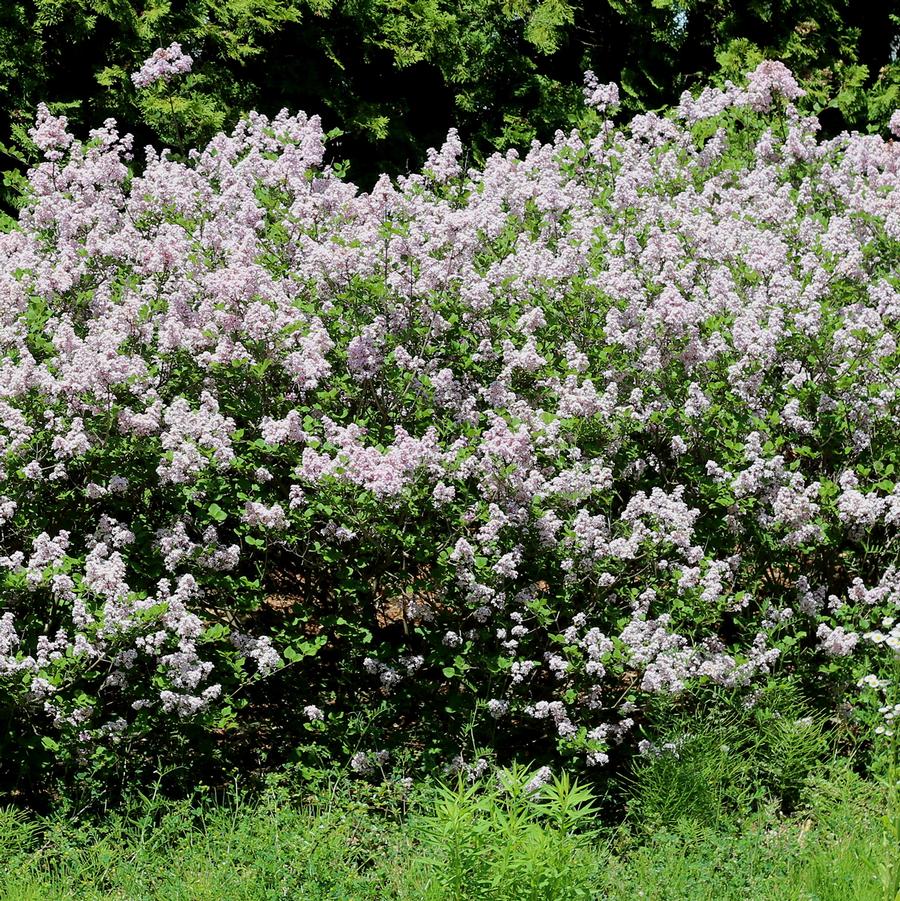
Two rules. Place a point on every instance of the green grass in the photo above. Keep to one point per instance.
(831, 849)
(484, 842)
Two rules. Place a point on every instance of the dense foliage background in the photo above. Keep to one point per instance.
(393, 76)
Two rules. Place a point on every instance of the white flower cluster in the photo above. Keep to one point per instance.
(162, 65)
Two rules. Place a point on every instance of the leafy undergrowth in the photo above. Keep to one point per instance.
(510, 838)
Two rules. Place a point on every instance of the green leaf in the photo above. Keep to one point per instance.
(217, 513)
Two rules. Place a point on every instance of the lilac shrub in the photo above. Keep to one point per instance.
(527, 446)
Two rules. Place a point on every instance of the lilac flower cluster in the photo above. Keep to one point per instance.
(162, 65)
(613, 418)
